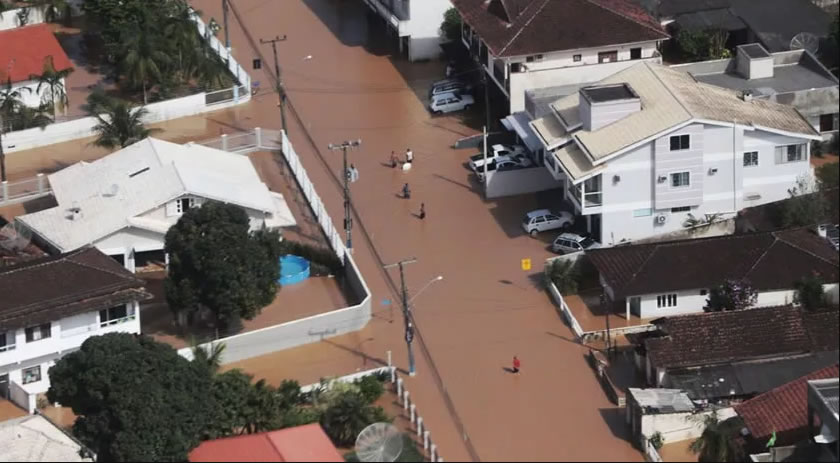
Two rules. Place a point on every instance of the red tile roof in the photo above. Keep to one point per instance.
(524, 27)
(25, 49)
(783, 410)
(302, 443)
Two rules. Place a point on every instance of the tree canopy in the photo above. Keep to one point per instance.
(218, 264)
(137, 400)
(450, 29)
(731, 295)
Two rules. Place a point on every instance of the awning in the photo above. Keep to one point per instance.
(518, 122)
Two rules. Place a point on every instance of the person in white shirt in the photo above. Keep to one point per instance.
(409, 155)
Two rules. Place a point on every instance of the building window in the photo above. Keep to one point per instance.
(31, 375)
(751, 159)
(37, 333)
(184, 204)
(703, 292)
(532, 58)
(114, 315)
(636, 53)
(608, 56)
(680, 180)
(576, 58)
(666, 300)
(680, 142)
(7, 341)
(680, 209)
(827, 123)
(790, 153)
(643, 212)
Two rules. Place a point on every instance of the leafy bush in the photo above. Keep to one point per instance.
(564, 274)
(347, 416)
(817, 148)
(656, 440)
(371, 388)
(809, 292)
(731, 295)
(318, 257)
(697, 45)
(450, 29)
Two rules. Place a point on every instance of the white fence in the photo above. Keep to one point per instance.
(651, 454)
(310, 329)
(24, 190)
(23, 399)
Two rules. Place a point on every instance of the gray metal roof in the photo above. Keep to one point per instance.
(829, 391)
(722, 18)
(657, 401)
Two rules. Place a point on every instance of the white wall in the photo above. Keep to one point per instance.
(130, 238)
(424, 28)
(676, 427)
(520, 181)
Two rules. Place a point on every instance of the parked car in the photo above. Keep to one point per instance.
(453, 86)
(500, 164)
(450, 102)
(498, 151)
(544, 220)
(572, 242)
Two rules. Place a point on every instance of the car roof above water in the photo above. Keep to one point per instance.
(538, 213)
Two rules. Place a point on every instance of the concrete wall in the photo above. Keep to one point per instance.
(424, 28)
(520, 181)
(676, 427)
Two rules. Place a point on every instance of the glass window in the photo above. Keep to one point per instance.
(532, 58)
(666, 300)
(7, 341)
(827, 123)
(680, 142)
(681, 209)
(37, 333)
(31, 375)
(113, 315)
(751, 158)
(540, 219)
(790, 153)
(680, 179)
(643, 212)
(608, 56)
(184, 204)
(576, 58)
(636, 53)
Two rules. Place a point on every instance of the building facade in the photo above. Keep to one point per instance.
(416, 24)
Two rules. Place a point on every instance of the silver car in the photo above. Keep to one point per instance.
(543, 220)
(571, 242)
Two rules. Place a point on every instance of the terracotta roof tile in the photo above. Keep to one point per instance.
(27, 48)
(783, 410)
(301, 443)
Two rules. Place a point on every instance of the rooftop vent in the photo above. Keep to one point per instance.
(602, 105)
(753, 62)
(138, 172)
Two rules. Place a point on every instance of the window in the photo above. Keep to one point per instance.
(31, 375)
(790, 153)
(113, 315)
(680, 142)
(7, 341)
(576, 58)
(643, 212)
(827, 123)
(680, 209)
(184, 204)
(532, 58)
(666, 300)
(751, 159)
(636, 53)
(608, 56)
(680, 180)
(37, 333)
(703, 292)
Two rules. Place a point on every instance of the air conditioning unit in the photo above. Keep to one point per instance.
(661, 219)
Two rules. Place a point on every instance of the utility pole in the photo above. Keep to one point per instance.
(348, 218)
(606, 309)
(281, 92)
(2, 153)
(409, 323)
(225, 13)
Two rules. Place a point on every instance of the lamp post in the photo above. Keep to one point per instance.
(281, 92)
(348, 218)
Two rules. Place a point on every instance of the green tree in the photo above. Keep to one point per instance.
(53, 80)
(144, 56)
(210, 358)
(54, 10)
(828, 176)
(114, 17)
(805, 206)
(809, 292)
(731, 295)
(119, 124)
(347, 416)
(450, 29)
(698, 45)
(564, 274)
(717, 442)
(137, 399)
(11, 101)
(217, 264)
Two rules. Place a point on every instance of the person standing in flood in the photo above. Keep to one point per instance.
(393, 160)
(516, 365)
(422, 211)
(409, 156)
(406, 191)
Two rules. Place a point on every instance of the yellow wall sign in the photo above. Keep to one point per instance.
(526, 264)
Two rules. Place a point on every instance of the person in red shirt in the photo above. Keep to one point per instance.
(516, 365)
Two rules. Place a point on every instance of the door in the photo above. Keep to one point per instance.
(636, 306)
(4, 386)
(539, 223)
(595, 227)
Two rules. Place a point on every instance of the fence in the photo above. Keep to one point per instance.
(310, 329)
(23, 399)
(24, 190)
(651, 454)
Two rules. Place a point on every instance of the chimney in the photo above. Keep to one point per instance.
(753, 62)
(601, 105)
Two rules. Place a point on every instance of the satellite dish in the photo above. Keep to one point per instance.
(805, 41)
(14, 237)
(379, 442)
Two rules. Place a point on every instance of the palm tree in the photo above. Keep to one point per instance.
(144, 59)
(212, 358)
(181, 35)
(54, 80)
(346, 418)
(119, 124)
(717, 442)
(564, 274)
(11, 100)
(261, 410)
(27, 118)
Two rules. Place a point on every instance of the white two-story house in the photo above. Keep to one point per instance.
(533, 44)
(50, 306)
(416, 23)
(646, 147)
(125, 203)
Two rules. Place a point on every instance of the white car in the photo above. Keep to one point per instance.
(572, 242)
(450, 102)
(543, 220)
(497, 152)
(455, 86)
(500, 164)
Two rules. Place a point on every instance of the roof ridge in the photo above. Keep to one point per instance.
(627, 17)
(759, 258)
(524, 26)
(668, 88)
(799, 248)
(640, 267)
(130, 277)
(45, 261)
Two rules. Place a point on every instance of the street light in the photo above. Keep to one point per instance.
(425, 287)
(348, 219)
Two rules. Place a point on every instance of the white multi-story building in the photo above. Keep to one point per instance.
(125, 202)
(646, 147)
(50, 306)
(416, 23)
(533, 44)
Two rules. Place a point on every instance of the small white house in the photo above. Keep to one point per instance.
(50, 306)
(673, 278)
(416, 23)
(124, 203)
(23, 54)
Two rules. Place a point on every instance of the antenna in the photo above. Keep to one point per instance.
(14, 237)
(379, 442)
(805, 41)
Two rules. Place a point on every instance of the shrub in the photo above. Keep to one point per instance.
(320, 258)
(809, 292)
(817, 148)
(564, 274)
(656, 440)
(731, 295)
(371, 388)
(347, 416)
